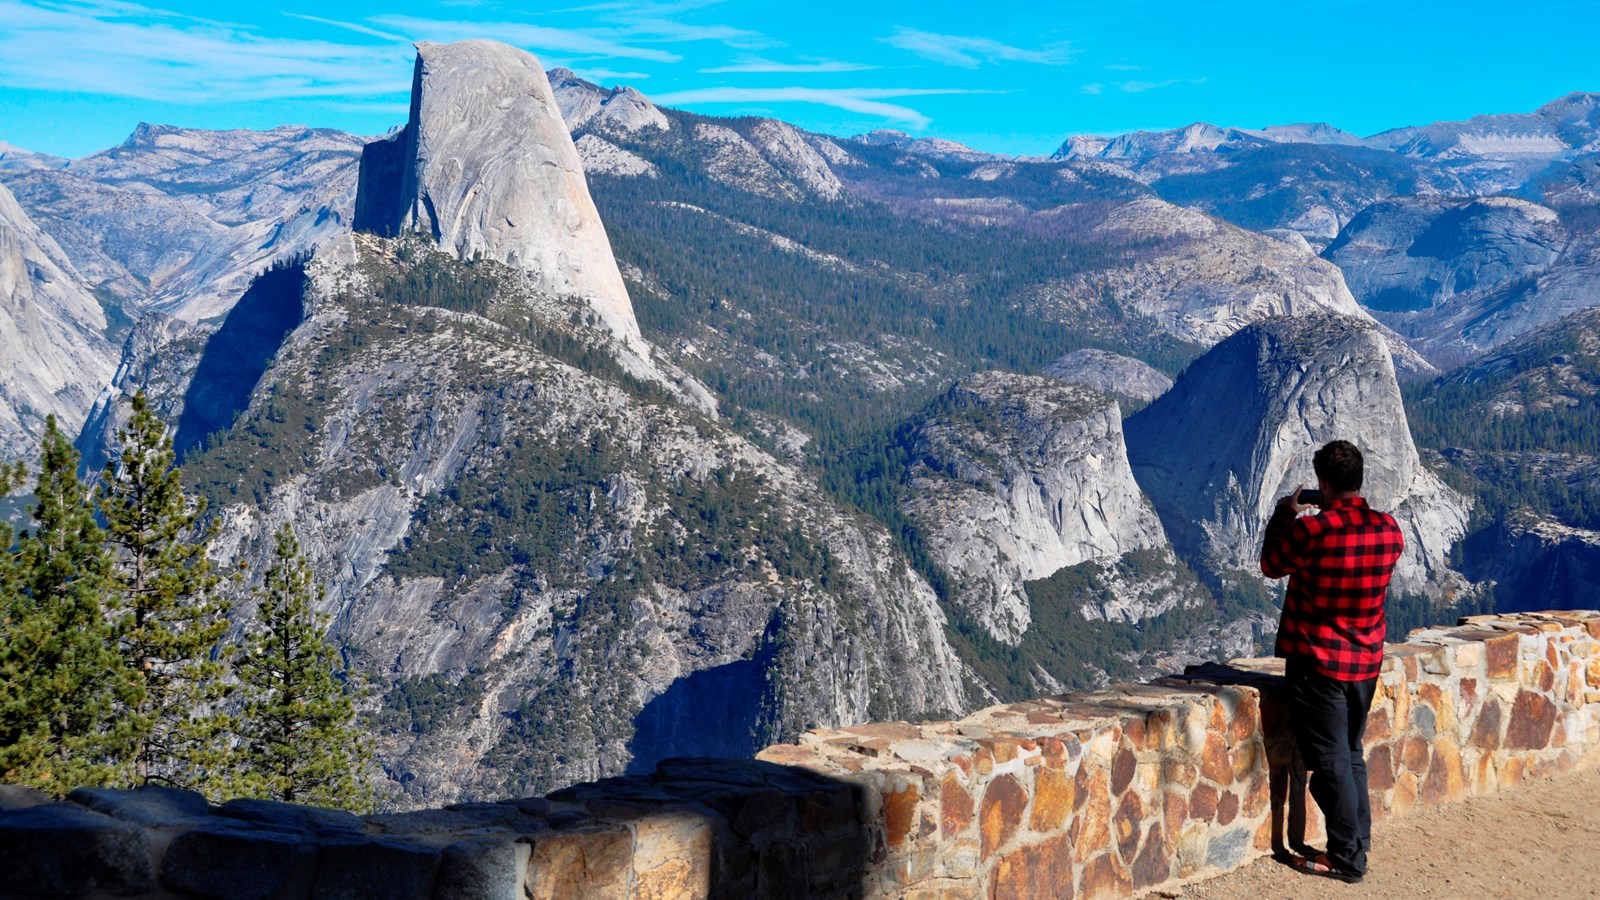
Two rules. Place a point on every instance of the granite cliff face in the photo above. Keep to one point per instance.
(1237, 431)
(54, 356)
(487, 167)
(585, 565)
(1017, 477)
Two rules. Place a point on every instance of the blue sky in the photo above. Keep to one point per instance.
(1015, 77)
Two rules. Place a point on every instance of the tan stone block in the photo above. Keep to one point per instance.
(1591, 696)
(1245, 758)
(1486, 728)
(1000, 813)
(1180, 772)
(1258, 795)
(1445, 780)
(1485, 779)
(1592, 671)
(1105, 876)
(582, 864)
(1405, 794)
(1541, 675)
(1053, 797)
(1041, 870)
(1214, 762)
(1192, 848)
(1378, 725)
(1161, 730)
(983, 761)
(1380, 767)
(1513, 771)
(1003, 749)
(1246, 722)
(1467, 656)
(1094, 836)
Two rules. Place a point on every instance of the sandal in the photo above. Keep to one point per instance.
(1318, 865)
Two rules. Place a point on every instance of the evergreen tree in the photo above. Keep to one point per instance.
(299, 741)
(62, 683)
(166, 615)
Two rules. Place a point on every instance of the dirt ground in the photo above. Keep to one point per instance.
(1539, 840)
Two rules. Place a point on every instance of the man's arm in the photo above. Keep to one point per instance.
(1283, 548)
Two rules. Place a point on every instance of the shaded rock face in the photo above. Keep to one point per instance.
(1110, 373)
(1416, 253)
(1537, 564)
(159, 357)
(1237, 431)
(486, 166)
(54, 356)
(1016, 477)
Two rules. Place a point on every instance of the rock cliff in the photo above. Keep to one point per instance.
(54, 356)
(487, 167)
(1016, 477)
(1237, 431)
(1109, 373)
(581, 565)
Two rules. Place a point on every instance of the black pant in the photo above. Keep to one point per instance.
(1329, 716)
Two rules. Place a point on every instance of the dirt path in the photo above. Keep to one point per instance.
(1539, 840)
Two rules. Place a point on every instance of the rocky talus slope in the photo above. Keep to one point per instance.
(1237, 431)
(1015, 478)
(54, 356)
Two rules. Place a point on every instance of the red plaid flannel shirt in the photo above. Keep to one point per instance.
(1338, 562)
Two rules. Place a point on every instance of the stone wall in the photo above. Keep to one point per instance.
(1101, 794)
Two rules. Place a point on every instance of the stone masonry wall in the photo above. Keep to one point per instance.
(1102, 794)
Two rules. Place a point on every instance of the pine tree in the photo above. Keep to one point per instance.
(62, 683)
(167, 618)
(299, 741)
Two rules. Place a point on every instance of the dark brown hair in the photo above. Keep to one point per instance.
(1339, 464)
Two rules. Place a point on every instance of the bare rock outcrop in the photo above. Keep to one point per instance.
(1237, 431)
(486, 165)
(54, 357)
(1016, 477)
(1111, 373)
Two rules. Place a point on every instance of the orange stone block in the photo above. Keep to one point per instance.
(1094, 835)
(1246, 718)
(1533, 717)
(1214, 762)
(1151, 867)
(1203, 803)
(1041, 870)
(1244, 759)
(1445, 781)
(1227, 808)
(1053, 797)
(1174, 812)
(1378, 726)
(1500, 654)
(1178, 772)
(1000, 814)
(956, 806)
(1106, 876)
(1414, 755)
(1123, 766)
(1512, 771)
(1125, 826)
(1258, 795)
(900, 814)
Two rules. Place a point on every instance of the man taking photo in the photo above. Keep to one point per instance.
(1331, 637)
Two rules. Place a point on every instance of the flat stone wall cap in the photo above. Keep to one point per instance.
(483, 868)
(17, 796)
(230, 861)
(62, 849)
(729, 771)
(456, 821)
(355, 869)
(312, 819)
(147, 805)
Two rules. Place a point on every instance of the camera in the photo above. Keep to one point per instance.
(1309, 496)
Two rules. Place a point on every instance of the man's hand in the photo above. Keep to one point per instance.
(1291, 502)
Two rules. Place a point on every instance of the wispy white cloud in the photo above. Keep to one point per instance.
(1123, 67)
(122, 49)
(1095, 88)
(969, 52)
(867, 101)
(758, 64)
(523, 34)
(348, 26)
(600, 76)
(1139, 87)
